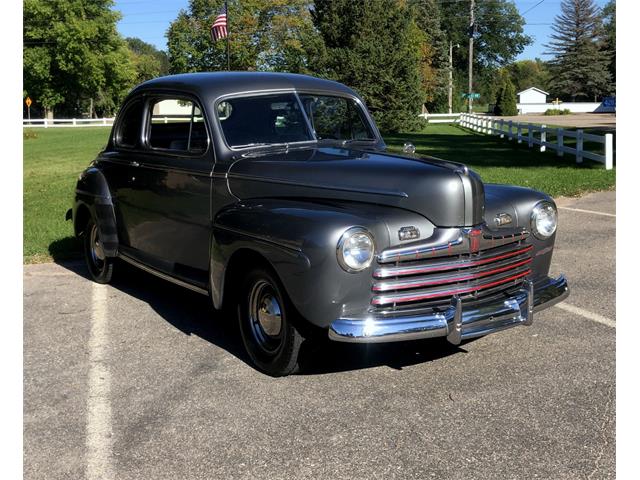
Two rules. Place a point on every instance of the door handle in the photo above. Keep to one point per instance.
(135, 164)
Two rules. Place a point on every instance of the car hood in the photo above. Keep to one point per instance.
(446, 193)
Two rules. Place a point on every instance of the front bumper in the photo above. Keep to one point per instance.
(457, 323)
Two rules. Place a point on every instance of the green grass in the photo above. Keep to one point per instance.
(52, 162)
(503, 161)
(55, 157)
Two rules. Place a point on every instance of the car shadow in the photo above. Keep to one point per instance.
(193, 314)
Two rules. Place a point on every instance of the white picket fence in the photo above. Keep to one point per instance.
(67, 122)
(537, 135)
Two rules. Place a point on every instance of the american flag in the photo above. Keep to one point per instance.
(219, 27)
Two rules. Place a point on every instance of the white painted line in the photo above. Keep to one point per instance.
(588, 211)
(99, 435)
(587, 314)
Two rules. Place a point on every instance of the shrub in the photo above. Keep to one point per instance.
(557, 111)
(27, 134)
(506, 99)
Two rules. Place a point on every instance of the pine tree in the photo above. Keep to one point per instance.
(579, 66)
(370, 45)
(506, 98)
(609, 22)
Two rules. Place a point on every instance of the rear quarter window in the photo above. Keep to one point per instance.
(130, 125)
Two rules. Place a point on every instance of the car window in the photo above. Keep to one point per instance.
(336, 118)
(262, 119)
(177, 124)
(128, 133)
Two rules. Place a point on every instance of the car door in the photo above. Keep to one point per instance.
(167, 212)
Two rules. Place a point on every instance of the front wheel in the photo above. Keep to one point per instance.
(267, 324)
(100, 266)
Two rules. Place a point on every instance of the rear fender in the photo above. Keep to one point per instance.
(92, 192)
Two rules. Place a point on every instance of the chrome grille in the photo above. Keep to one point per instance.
(470, 264)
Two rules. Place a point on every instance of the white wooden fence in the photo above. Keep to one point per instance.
(67, 122)
(441, 117)
(538, 135)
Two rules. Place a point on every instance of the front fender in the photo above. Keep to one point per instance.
(92, 193)
(299, 239)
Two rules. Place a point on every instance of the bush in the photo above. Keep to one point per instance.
(28, 133)
(506, 99)
(557, 111)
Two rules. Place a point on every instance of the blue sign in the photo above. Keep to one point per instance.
(609, 102)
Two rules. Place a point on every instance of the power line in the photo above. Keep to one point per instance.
(527, 11)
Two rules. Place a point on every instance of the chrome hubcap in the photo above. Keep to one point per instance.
(266, 316)
(95, 247)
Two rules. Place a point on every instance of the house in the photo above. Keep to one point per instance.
(532, 95)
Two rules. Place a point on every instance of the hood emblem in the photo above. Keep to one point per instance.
(503, 219)
(408, 233)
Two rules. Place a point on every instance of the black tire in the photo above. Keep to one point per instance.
(100, 266)
(267, 322)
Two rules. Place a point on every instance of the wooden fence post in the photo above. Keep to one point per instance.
(530, 134)
(519, 132)
(45, 122)
(608, 151)
(510, 130)
(559, 152)
(543, 138)
(501, 128)
(579, 145)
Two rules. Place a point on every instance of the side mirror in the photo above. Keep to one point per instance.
(409, 148)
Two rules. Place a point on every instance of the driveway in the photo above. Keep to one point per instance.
(600, 121)
(143, 380)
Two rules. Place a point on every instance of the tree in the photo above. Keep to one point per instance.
(579, 66)
(506, 98)
(73, 57)
(371, 46)
(529, 73)
(148, 61)
(609, 46)
(263, 35)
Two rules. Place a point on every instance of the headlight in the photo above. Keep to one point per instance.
(544, 220)
(355, 249)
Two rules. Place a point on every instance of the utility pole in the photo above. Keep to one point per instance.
(451, 75)
(472, 28)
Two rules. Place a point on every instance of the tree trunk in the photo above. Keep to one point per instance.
(48, 113)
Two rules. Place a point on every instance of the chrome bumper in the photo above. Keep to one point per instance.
(456, 323)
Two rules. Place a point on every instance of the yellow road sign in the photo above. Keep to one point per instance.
(28, 102)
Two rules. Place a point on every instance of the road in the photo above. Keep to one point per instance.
(601, 121)
(142, 380)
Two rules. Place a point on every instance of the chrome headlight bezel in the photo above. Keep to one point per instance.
(344, 242)
(543, 208)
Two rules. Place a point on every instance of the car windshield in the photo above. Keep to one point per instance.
(263, 120)
(266, 120)
(336, 118)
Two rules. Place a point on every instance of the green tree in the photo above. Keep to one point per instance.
(579, 66)
(371, 46)
(506, 97)
(609, 46)
(74, 59)
(263, 35)
(529, 73)
(149, 62)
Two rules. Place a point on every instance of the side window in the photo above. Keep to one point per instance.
(177, 124)
(128, 133)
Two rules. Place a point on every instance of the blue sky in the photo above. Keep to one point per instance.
(149, 20)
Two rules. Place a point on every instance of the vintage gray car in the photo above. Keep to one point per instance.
(275, 195)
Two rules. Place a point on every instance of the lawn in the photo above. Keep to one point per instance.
(53, 160)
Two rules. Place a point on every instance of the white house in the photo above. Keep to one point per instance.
(532, 95)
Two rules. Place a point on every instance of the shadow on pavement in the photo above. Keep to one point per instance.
(193, 314)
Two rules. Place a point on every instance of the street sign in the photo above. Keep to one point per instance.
(28, 102)
(471, 95)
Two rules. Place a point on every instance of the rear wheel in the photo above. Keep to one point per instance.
(99, 265)
(268, 324)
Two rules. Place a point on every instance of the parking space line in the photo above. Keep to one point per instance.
(587, 314)
(588, 211)
(98, 428)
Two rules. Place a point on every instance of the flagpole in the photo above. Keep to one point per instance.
(226, 10)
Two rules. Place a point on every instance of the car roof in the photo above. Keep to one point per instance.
(211, 85)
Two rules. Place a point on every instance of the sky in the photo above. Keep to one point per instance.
(149, 20)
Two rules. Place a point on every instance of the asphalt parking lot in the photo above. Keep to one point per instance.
(143, 380)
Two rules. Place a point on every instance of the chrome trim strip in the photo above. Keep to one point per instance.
(161, 275)
(453, 241)
(474, 321)
(453, 289)
(445, 265)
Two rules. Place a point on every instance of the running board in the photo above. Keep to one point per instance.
(162, 275)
